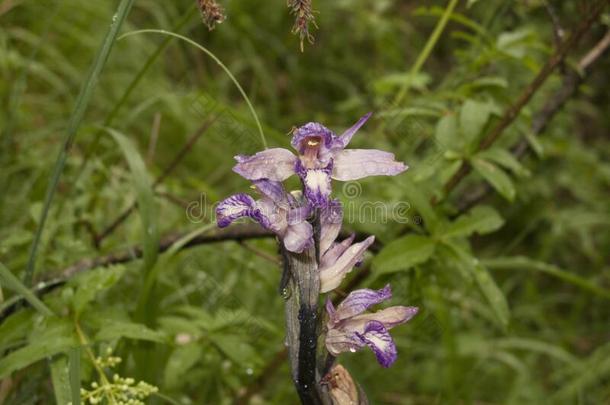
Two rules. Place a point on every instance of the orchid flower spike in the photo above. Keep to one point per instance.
(277, 211)
(321, 156)
(350, 329)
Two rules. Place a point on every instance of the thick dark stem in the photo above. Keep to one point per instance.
(302, 321)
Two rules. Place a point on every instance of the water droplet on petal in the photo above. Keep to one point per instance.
(351, 349)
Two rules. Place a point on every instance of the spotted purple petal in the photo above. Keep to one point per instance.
(377, 337)
(346, 137)
(275, 164)
(358, 301)
(234, 207)
(354, 164)
(331, 276)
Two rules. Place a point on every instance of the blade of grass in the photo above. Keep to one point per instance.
(12, 282)
(74, 123)
(134, 83)
(145, 198)
(218, 61)
(524, 263)
(74, 372)
(425, 53)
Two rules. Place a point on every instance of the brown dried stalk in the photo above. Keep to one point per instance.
(304, 15)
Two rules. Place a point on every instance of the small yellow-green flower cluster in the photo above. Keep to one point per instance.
(119, 390)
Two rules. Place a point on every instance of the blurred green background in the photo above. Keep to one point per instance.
(513, 287)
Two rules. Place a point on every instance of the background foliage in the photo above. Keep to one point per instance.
(513, 287)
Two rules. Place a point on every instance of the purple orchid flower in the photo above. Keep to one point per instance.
(349, 329)
(277, 211)
(322, 156)
(339, 260)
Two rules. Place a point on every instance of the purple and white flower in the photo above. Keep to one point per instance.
(339, 260)
(321, 156)
(350, 329)
(277, 210)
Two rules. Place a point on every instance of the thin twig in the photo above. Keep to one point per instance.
(570, 86)
(513, 111)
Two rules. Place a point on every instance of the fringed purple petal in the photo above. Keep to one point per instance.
(309, 130)
(298, 237)
(346, 137)
(331, 276)
(354, 164)
(377, 337)
(275, 164)
(358, 301)
(331, 218)
(234, 207)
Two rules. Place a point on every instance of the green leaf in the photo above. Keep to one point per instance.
(74, 363)
(237, 349)
(504, 159)
(481, 219)
(179, 363)
(420, 201)
(525, 263)
(115, 329)
(60, 376)
(9, 280)
(492, 292)
(403, 254)
(148, 215)
(15, 329)
(474, 270)
(80, 106)
(496, 177)
(446, 133)
(473, 117)
(57, 337)
(89, 284)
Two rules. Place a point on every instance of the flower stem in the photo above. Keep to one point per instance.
(302, 321)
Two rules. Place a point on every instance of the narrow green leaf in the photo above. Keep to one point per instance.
(496, 177)
(492, 292)
(421, 202)
(505, 159)
(481, 219)
(180, 362)
(146, 208)
(114, 329)
(60, 376)
(474, 270)
(89, 284)
(76, 118)
(473, 117)
(525, 263)
(403, 254)
(74, 363)
(56, 337)
(446, 133)
(9, 280)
